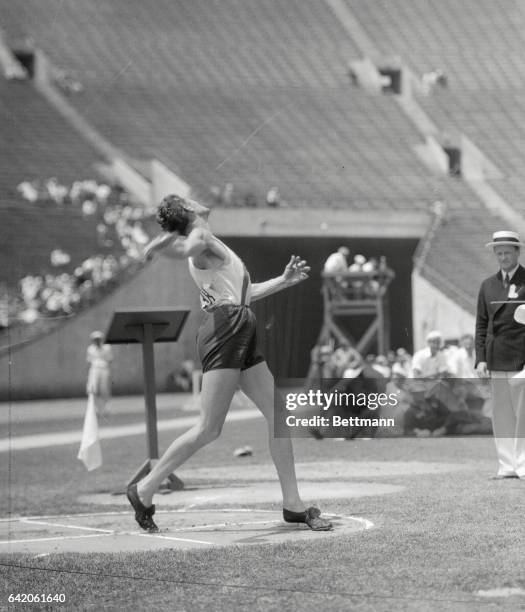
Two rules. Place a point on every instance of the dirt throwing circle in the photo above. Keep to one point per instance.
(113, 532)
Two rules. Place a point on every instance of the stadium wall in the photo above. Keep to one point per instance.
(289, 322)
(55, 365)
(432, 309)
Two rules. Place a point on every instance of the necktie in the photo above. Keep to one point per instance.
(506, 281)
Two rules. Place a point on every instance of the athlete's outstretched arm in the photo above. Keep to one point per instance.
(295, 272)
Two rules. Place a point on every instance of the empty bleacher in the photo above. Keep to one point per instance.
(37, 143)
(458, 260)
(479, 46)
(252, 92)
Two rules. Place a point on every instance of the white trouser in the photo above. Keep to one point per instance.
(508, 422)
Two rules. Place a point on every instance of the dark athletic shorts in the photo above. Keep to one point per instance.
(227, 338)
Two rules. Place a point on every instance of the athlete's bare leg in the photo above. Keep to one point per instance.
(218, 387)
(258, 384)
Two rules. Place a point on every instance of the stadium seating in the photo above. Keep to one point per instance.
(478, 43)
(37, 142)
(255, 93)
(479, 46)
(458, 260)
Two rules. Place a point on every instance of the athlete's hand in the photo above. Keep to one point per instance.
(482, 370)
(147, 253)
(296, 270)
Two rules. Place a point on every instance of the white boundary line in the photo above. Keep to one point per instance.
(34, 522)
(61, 438)
(162, 537)
(57, 538)
(367, 524)
(128, 512)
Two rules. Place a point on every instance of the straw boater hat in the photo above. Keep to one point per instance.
(505, 237)
(434, 335)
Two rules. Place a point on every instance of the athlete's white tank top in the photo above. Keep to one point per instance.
(227, 284)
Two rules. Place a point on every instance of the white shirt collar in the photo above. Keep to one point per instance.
(511, 273)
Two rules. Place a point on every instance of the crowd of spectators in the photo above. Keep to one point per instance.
(356, 280)
(230, 196)
(87, 193)
(438, 389)
(67, 285)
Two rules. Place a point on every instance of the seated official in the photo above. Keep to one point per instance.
(358, 378)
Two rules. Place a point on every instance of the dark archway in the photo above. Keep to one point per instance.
(289, 322)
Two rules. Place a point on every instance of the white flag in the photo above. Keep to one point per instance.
(90, 453)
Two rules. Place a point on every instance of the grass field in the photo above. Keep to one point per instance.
(434, 545)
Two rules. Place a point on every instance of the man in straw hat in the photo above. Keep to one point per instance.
(500, 351)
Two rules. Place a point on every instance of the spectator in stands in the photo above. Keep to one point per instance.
(273, 197)
(28, 190)
(68, 83)
(55, 191)
(336, 267)
(358, 263)
(99, 356)
(181, 379)
(337, 262)
(358, 378)
(227, 194)
(358, 285)
(320, 364)
(429, 80)
(465, 357)
(431, 361)
(426, 416)
(402, 366)
(340, 359)
(381, 365)
(434, 369)
(59, 257)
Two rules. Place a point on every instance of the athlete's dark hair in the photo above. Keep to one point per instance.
(173, 215)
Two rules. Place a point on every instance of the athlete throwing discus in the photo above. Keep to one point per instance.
(227, 346)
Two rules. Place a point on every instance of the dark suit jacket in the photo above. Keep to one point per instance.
(500, 341)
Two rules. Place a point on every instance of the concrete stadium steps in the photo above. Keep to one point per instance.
(478, 43)
(459, 257)
(250, 92)
(37, 143)
(493, 120)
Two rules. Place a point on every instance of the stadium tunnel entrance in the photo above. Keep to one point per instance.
(289, 322)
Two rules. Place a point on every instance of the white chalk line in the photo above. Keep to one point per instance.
(367, 524)
(108, 433)
(162, 537)
(56, 538)
(127, 512)
(35, 522)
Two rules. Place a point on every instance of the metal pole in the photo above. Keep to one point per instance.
(149, 391)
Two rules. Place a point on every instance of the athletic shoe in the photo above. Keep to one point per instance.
(142, 514)
(311, 517)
